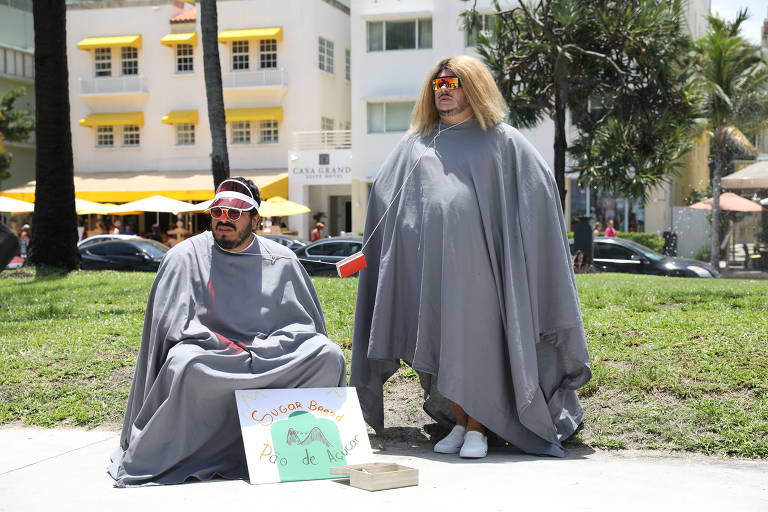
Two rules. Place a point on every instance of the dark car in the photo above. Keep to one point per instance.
(289, 242)
(97, 239)
(620, 255)
(133, 254)
(326, 252)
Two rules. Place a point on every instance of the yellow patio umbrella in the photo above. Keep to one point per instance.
(277, 206)
(8, 204)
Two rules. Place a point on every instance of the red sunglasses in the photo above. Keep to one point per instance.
(449, 82)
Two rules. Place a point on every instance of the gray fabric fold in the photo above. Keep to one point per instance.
(469, 280)
(216, 322)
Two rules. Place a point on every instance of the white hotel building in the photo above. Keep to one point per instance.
(138, 102)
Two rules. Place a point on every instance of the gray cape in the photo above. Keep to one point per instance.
(469, 280)
(216, 322)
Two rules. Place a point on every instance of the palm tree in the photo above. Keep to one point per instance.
(733, 77)
(214, 92)
(54, 223)
(600, 62)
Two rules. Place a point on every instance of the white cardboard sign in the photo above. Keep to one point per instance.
(299, 434)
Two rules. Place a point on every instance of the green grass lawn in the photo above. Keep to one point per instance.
(679, 364)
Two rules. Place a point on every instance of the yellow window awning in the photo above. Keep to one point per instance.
(251, 33)
(254, 114)
(180, 116)
(90, 43)
(186, 38)
(114, 118)
(121, 187)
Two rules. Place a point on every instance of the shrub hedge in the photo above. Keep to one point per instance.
(650, 240)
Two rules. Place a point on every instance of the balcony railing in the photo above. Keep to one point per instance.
(113, 84)
(325, 139)
(261, 78)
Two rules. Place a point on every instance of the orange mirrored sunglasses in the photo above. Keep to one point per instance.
(449, 82)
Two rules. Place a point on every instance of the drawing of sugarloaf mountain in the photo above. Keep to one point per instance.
(314, 436)
(308, 445)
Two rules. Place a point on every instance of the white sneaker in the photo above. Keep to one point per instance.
(452, 442)
(475, 445)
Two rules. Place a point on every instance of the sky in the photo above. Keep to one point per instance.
(758, 11)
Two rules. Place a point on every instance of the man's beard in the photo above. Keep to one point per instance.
(454, 111)
(240, 237)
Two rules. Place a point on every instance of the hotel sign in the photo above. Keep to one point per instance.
(320, 167)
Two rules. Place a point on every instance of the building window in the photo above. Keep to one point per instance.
(326, 123)
(16, 63)
(326, 55)
(185, 134)
(240, 57)
(130, 135)
(105, 137)
(483, 27)
(348, 64)
(268, 132)
(399, 35)
(103, 59)
(268, 53)
(184, 56)
(392, 116)
(130, 60)
(241, 132)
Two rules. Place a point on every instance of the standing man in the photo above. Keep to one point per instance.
(228, 311)
(469, 277)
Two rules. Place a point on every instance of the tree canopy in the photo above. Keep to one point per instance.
(615, 66)
(15, 126)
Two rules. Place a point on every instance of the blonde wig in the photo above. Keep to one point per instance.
(480, 90)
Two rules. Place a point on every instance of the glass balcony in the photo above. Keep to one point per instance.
(324, 139)
(130, 84)
(255, 79)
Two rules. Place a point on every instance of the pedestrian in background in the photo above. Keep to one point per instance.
(317, 233)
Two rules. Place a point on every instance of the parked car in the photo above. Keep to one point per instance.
(326, 252)
(95, 239)
(126, 254)
(289, 242)
(620, 255)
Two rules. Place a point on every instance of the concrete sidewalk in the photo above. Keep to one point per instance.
(64, 470)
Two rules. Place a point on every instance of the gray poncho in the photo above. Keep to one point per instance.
(469, 280)
(216, 322)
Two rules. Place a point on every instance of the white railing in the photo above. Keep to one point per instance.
(262, 78)
(325, 139)
(113, 84)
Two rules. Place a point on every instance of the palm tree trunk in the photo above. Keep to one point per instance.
(214, 91)
(54, 222)
(561, 144)
(714, 247)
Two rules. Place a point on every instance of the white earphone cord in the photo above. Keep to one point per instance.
(405, 182)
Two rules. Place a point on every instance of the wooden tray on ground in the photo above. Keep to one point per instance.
(377, 476)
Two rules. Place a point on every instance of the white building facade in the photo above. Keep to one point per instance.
(138, 101)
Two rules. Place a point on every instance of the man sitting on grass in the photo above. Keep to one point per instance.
(228, 311)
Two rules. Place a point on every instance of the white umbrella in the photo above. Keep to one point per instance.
(153, 204)
(84, 207)
(8, 204)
